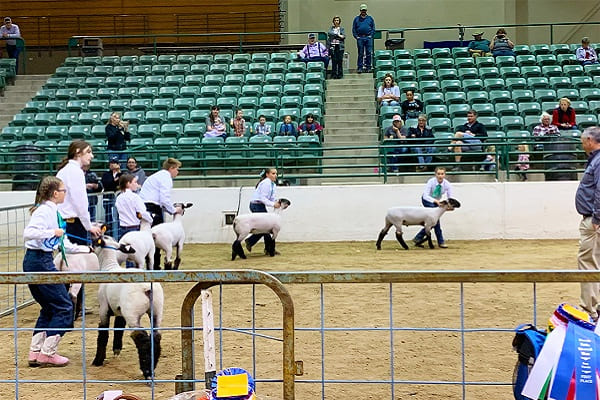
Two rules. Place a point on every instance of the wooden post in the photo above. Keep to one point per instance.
(208, 334)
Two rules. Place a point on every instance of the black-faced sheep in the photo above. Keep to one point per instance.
(427, 217)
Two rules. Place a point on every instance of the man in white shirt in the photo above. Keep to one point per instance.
(314, 51)
(156, 193)
(10, 32)
(74, 209)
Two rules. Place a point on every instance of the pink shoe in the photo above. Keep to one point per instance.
(33, 358)
(55, 360)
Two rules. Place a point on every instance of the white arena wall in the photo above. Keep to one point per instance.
(513, 210)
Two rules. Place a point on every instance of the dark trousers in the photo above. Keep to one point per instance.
(157, 218)
(437, 228)
(56, 314)
(108, 201)
(13, 52)
(337, 59)
(256, 208)
(76, 228)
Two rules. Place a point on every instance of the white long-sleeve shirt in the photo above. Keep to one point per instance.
(128, 205)
(13, 32)
(76, 200)
(41, 226)
(157, 190)
(430, 187)
(265, 193)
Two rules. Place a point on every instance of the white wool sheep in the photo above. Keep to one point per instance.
(143, 244)
(76, 262)
(171, 234)
(128, 302)
(428, 217)
(257, 223)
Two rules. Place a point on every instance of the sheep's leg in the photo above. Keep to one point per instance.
(101, 343)
(269, 245)
(118, 335)
(382, 234)
(178, 251)
(78, 302)
(168, 259)
(156, 339)
(142, 343)
(237, 250)
(400, 240)
(428, 237)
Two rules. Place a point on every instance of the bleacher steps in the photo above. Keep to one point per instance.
(15, 96)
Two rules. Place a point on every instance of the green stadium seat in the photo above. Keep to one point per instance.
(505, 61)
(199, 69)
(83, 71)
(128, 93)
(552, 70)
(269, 102)
(178, 117)
(134, 117)
(566, 59)
(309, 147)
(75, 82)
(171, 129)
(457, 122)
(460, 52)
(111, 60)
(64, 72)
(583, 121)
(293, 78)
(383, 55)
(510, 72)
(189, 92)
(312, 101)
(178, 80)
(227, 103)
(506, 109)
(195, 80)
(67, 118)
(472, 84)
(429, 86)
(436, 111)
(45, 95)
(530, 108)
(156, 70)
(141, 104)
(421, 53)
(538, 82)
(92, 61)
(261, 147)
(50, 145)
(242, 58)
(106, 93)
(455, 98)
(57, 132)
(517, 134)
(277, 68)
(315, 77)
(148, 130)
(314, 66)
(478, 96)
(529, 71)
(592, 69)
(531, 121)
(223, 59)
(500, 96)
(165, 147)
(188, 150)
(129, 60)
(212, 149)
(580, 82)
(147, 60)
(102, 71)
(402, 75)
(270, 114)
(199, 116)
(494, 84)
(433, 98)
(485, 62)
(594, 106)
(573, 70)
(204, 103)
(55, 83)
(468, 73)
(484, 109)
(274, 79)
(184, 103)
(549, 106)
(204, 59)
(89, 118)
(119, 105)
(99, 131)
(403, 64)
(10, 133)
(589, 94)
(426, 75)
(440, 124)
(313, 89)
(237, 68)
(424, 63)
(458, 110)
(580, 107)
(211, 92)
(33, 133)
(538, 49)
(451, 85)
(56, 106)
(441, 52)
(571, 94)
(235, 79)
(384, 65)
(293, 112)
(148, 92)
(45, 118)
(194, 129)
(315, 111)
(560, 82)
(516, 83)
(489, 72)
(560, 48)
(292, 89)
(510, 123)
(446, 74)
(80, 132)
(542, 95)
(522, 49)
(130, 81)
(171, 92)
(248, 103)
(180, 69)
(525, 60)
(34, 106)
(154, 81)
(86, 94)
(214, 79)
(73, 61)
(156, 117)
(264, 57)
(402, 54)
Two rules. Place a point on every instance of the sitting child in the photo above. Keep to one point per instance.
(287, 128)
(310, 126)
(489, 164)
(261, 127)
(523, 159)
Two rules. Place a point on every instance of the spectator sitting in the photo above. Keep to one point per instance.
(423, 136)
(502, 45)
(397, 132)
(314, 51)
(261, 127)
(585, 54)
(479, 47)
(489, 163)
(215, 125)
(388, 93)
(238, 124)
(564, 116)
(134, 169)
(310, 126)
(523, 159)
(468, 137)
(287, 128)
(544, 130)
(411, 107)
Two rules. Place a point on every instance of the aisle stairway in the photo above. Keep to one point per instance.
(351, 120)
(15, 96)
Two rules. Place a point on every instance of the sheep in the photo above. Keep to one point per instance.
(428, 217)
(76, 262)
(257, 223)
(128, 302)
(143, 244)
(170, 234)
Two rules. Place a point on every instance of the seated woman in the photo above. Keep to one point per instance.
(544, 130)
(388, 93)
(423, 136)
(310, 126)
(585, 54)
(287, 128)
(215, 125)
(261, 127)
(411, 107)
(564, 116)
(314, 51)
(502, 45)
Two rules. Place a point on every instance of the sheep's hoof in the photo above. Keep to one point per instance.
(168, 266)
(116, 353)
(177, 263)
(97, 362)
(378, 246)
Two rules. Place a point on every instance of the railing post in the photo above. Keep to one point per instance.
(551, 34)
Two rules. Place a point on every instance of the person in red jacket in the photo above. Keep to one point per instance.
(563, 116)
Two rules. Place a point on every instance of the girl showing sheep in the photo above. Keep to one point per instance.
(45, 233)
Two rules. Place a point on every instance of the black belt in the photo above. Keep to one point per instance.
(71, 220)
(130, 227)
(39, 251)
(587, 215)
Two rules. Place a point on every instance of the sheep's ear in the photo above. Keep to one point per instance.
(98, 242)
(443, 203)
(127, 249)
(455, 203)
(188, 205)
(104, 228)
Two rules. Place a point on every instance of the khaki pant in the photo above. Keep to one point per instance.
(587, 260)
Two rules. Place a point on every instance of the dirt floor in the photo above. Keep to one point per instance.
(348, 354)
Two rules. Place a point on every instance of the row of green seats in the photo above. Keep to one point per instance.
(185, 69)
(168, 59)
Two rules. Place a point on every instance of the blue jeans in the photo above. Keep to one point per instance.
(437, 228)
(424, 150)
(56, 314)
(256, 208)
(395, 160)
(13, 52)
(365, 49)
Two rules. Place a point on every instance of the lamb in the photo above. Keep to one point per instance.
(128, 302)
(257, 223)
(170, 234)
(428, 217)
(143, 244)
(76, 262)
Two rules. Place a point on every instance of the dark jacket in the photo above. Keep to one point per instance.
(411, 109)
(109, 183)
(91, 177)
(116, 137)
(477, 129)
(420, 137)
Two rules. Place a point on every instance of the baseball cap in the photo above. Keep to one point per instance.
(396, 118)
(478, 33)
(312, 35)
(363, 7)
(114, 160)
(7, 19)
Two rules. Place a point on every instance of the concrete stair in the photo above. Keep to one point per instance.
(351, 120)
(15, 96)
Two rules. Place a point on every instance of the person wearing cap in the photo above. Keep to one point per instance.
(335, 43)
(10, 32)
(585, 54)
(363, 30)
(479, 46)
(117, 136)
(314, 51)
(396, 132)
(110, 182)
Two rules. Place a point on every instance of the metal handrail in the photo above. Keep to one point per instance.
(21, 45)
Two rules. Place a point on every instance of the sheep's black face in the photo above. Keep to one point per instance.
(454, 203)
(285, 203)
